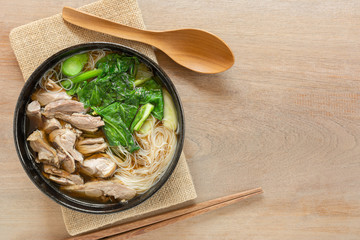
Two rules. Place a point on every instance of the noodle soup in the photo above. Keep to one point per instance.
(101, 126)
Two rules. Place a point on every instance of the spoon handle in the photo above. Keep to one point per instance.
(98, 24)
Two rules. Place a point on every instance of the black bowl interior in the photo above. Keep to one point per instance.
(25, 155)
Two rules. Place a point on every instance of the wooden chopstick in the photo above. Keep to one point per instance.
(128, 230)
(142, 230)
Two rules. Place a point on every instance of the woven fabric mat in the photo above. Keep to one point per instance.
(36, 41)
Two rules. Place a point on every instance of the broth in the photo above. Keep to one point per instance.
(105, 133)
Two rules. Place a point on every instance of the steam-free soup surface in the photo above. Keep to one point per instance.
(101, 126)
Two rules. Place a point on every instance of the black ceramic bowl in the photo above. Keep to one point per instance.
(32, 169)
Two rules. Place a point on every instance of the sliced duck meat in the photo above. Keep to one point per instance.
(62, 177)
(67, 162)
(89, 146)
(96, 189)
(45, 153)
(52, 86)
(82, 121)
(99, 166)
(75, 130)
(65, 141)
(33, 112)
(63, 106)
(51, 124)
(52, 93)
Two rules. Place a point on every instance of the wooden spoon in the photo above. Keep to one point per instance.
(195, 49)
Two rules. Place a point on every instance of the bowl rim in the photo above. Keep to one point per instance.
(32, 169)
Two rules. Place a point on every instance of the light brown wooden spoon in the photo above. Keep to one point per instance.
(195, 49)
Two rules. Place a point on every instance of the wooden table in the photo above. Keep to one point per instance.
(285, 117)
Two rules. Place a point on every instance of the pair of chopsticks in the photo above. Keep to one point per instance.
(128, 230)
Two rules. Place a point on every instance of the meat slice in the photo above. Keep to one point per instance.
(46, 153)
(63, 106)
(33, 112)
(75, 130)
(52, 93)
(98, 189)
(62, 177)
(82, 121)
(91, 141)
(67, 162)
(89, 146)
(65, 141)
(99, 166)
(51, 124)
(52, 86)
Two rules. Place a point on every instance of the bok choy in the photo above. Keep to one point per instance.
(141, 116)
(124, 93)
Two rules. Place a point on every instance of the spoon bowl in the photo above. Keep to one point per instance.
(194, 49)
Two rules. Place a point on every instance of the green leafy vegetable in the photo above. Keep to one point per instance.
(75, 88)
(115, 63)
(143, 74)
(92, 94)
(114, 96)
(80, 78)
(124, 111)
(141, 96)
(155, 97)
(87, 75)
(116, 130)
(141, 116)
(151, 84)
(73, 65)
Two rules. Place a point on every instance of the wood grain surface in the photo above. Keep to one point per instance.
(285, 117)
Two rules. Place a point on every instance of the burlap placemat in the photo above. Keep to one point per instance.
(34, 42)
